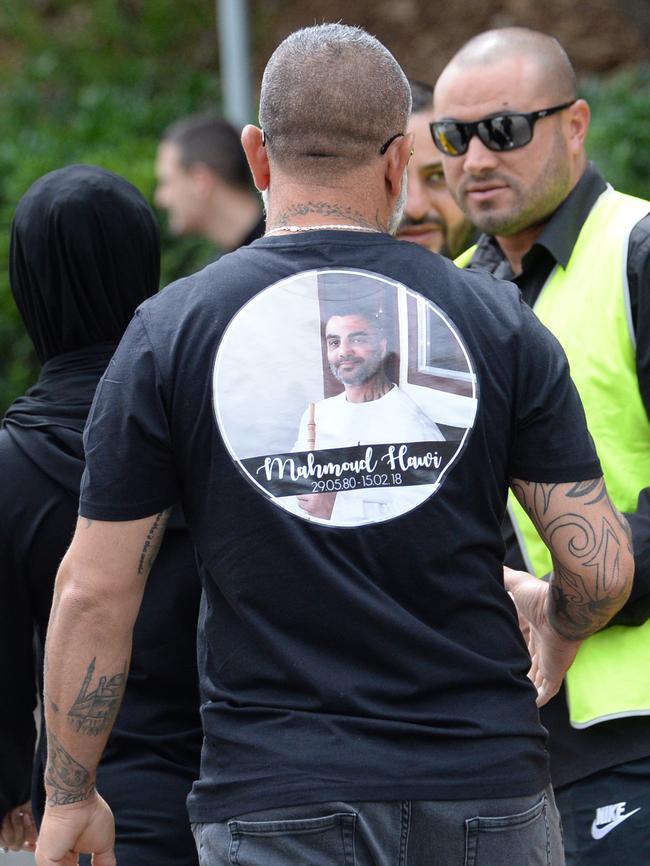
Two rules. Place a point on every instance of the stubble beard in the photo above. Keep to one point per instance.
(361, 374)
(532, 205)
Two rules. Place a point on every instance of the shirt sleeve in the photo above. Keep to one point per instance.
(129, 470)
(551, 442)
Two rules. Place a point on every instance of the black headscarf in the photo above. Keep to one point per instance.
(85, 252)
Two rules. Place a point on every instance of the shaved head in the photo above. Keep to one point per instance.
(331, 96)
(496, 78)
(547, 60)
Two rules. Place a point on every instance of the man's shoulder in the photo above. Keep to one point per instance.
(211, 289)
(475, 280)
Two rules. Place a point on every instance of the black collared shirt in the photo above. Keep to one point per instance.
(577, 754)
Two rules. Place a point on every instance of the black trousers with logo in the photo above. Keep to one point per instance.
(606, 817)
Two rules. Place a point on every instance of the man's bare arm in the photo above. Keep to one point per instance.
(592, 574)
(97, 596)
(590, 544)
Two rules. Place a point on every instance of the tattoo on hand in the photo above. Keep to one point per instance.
(153, 541)
(68, 780)
(579, 608)
(95, 708)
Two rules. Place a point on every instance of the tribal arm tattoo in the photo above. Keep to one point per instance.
(590, 543)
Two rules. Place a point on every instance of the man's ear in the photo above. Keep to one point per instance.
(204, 179)
(579, 115)
(396, 159)
(257, 155)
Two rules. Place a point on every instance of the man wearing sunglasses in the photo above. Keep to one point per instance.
(511, 132)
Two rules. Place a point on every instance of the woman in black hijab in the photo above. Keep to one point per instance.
(85, 252)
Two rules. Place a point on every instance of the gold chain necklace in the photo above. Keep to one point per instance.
(294, 229)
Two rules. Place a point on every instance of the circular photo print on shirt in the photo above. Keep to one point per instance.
(343, 396)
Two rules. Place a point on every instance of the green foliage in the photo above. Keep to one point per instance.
(619, 138)
(94, 83)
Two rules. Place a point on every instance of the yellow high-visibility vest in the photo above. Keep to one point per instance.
(587, 307)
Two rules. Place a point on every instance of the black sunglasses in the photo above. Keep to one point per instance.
(500, 132)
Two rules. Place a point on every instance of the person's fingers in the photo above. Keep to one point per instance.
(29, 830)
(514, 579)
(6, 831)
(12, 830)
(105, 858)
(548, 689)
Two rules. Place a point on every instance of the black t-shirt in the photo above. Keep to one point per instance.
(365, 649)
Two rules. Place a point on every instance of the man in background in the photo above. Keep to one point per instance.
(512, 131)
(431, 217)
(204, 182)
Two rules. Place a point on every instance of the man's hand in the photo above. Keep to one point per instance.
(317, 504)
(80, 828)
(551, 654)
(18, 830)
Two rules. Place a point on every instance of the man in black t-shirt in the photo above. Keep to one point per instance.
(364, 685)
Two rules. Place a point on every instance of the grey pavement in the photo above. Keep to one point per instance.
(16, 859)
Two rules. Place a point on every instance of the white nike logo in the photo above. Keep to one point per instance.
(597, 832)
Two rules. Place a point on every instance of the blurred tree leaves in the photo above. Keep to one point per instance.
(94, 82)
(619, 136)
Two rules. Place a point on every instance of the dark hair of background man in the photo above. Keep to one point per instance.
(209, 139)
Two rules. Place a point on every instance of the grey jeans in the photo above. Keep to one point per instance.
(519, 831)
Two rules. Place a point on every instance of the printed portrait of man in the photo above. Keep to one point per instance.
(370, 410)
(358, 411)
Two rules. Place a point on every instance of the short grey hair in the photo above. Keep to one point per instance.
(331, 96)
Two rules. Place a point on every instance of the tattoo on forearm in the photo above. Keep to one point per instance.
(153, 541)
(66, 779)
(95, 708)
(579, 607)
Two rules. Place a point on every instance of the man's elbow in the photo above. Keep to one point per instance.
(627, 572)
(89, 595)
